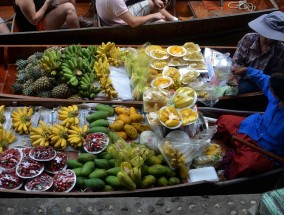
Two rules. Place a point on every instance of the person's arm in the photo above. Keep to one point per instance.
(256, 76)
(28, 9)
(135, 21)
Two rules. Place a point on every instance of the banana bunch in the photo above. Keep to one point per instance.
(71, 72)
(71, 51)
(101, 68)
(110, 53)
(2, 116)
(51, 61)
(89, 53)
(21, 120)
(86, 86)
(74, 69)
(69, 115)
(124, 178)
(6, 138)
(184, 96)
(58, 136)
(76, 135)
(40, 136)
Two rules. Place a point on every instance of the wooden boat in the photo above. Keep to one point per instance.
(211, 22)
(257, 184)
(9, 54)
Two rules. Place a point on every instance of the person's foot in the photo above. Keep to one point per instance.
(84, 23)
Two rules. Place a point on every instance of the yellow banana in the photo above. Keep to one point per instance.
(75, 107)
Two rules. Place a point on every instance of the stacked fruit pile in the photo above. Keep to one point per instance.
(68, 72)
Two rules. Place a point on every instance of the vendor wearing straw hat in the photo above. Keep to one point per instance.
(263, 50)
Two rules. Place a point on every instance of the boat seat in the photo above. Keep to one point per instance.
(15, 26)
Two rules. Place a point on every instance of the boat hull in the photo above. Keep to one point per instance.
(226, 29)
(257, 184)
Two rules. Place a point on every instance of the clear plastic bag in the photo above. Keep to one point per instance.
(178, 149)
(219, 66)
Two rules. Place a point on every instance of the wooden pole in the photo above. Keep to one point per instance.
(259, 149)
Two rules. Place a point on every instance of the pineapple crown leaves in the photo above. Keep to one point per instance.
(21, 64)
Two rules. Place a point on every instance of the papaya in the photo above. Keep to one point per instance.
(77, 171)
(97, 115)
(183, 172)
(98, 173)
(125, 118)
(162, 158)
(108, 188)
(105, 155)
(98, 129)
(144, 170)
(113, 181)
(152, 159)
(102, 163)
(94, 183)
(107, 108)
(85, 157)
(122, 134)
(173, 181)
(121, 110)
(147, 181)
(117, 125)
(158, 170)
(113, 171)
(111, 162)
(73, 163)
(162, 181)
(87, 168)
(99, 122)
(131, 131)
(79, 182)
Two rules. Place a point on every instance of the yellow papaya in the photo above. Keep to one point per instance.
(131, 131)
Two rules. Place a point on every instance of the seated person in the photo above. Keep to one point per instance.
(262, 50)
(40, 15)
(3, 27)
(264, 130)
(132, 12)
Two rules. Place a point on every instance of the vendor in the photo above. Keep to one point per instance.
(262, 50)
(264, 130)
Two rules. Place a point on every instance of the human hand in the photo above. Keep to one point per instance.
(233, 81)
(239, 70)
(160, 3)
(158, 16)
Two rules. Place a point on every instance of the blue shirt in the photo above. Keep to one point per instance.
(266, 129)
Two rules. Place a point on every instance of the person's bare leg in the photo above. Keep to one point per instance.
(64, 13)
(4, 28)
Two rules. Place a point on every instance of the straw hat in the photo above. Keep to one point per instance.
(269, 25)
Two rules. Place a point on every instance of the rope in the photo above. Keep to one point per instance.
(242, 5)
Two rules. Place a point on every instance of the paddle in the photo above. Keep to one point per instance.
(257, 148)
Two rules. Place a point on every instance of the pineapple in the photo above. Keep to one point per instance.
(75, 97)
(45, 94)
(61, 91)
(28, 83)
(42, 84)
(17, 88)
(29, 91)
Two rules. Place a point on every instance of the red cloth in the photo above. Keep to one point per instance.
(40, 25)
(242, 160)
